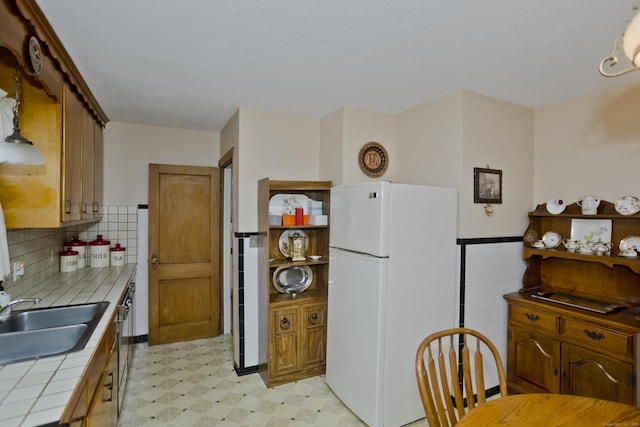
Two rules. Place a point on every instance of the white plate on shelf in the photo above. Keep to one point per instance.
(283, 241)
(627, 205)
(315, 257)
(551, 239)
(629, 242)
(278, 201)
(556, 206)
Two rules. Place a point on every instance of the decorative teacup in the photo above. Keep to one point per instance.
(571, 245)
(629, 253)
(600, 248)
(538, 244)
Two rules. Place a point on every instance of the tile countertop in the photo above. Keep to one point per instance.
(35, 392)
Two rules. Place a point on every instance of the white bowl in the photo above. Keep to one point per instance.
(315, 257)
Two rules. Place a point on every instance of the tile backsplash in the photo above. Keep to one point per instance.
(39, 248)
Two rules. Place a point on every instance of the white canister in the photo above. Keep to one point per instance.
(117, 255)
(79, 246)
(68, 260)
(99, 252)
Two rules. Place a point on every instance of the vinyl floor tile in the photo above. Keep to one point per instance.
(193, 384)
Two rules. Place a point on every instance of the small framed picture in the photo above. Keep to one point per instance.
(487, 185)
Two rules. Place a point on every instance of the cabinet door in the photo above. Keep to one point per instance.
(72, 156)
(284, 354)
(99, 171)
(88, 165)
(103, 411)
(533, 361)
(587, 373)
(315, 339)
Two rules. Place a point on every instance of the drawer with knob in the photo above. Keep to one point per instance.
(598, 337)
(533, 317)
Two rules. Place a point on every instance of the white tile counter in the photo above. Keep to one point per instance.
(35, 392)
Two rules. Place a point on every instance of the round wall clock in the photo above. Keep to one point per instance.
(373, 159)
(35, 55)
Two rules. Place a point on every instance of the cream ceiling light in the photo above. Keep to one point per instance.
(631, 46)
(15, 148)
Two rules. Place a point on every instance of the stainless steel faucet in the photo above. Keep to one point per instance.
(19, 301)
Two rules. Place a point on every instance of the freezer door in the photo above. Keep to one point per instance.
(355, 339)
(359, 218)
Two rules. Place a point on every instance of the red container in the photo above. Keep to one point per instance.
(299, 216)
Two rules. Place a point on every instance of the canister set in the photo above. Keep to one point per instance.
(97, 253)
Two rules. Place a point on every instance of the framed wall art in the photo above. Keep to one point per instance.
(487, 185)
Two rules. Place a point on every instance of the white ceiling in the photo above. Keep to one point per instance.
(192, 63)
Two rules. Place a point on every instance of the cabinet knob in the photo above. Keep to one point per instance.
(313, 319)
(110, 388)
(593, 335)
(532, 317)
(285, 324)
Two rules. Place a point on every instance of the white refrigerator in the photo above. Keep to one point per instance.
(391, 283)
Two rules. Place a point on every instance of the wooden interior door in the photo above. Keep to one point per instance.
(184, 253)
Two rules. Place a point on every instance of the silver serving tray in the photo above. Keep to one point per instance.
(292, 279)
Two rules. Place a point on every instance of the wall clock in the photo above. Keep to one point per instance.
(373, 159)
(35, 55)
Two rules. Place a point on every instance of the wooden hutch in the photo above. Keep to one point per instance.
(592, 348)
(292, 329)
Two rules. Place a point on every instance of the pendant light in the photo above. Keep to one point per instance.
(15, 148)
(631, 46)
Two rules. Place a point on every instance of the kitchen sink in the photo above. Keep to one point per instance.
(51, 317)
(50, 331)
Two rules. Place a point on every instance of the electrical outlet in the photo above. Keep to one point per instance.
(18, 270)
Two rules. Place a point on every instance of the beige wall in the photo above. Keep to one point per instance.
(441, 142)
(277, 146)
(129, 148)
(343, 133)
(429, 143)
(498, 134)
(590, 145)
(331, 157)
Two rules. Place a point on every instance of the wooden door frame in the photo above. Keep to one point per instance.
(226, 161)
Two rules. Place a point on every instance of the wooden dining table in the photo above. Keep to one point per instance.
(547, 409)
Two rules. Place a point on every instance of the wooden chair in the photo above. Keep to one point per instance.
(450, 383)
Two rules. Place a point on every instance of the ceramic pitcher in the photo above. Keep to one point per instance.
(589, 205)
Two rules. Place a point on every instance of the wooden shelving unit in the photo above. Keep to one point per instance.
(292, 334)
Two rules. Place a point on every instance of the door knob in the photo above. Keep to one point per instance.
(154, 261)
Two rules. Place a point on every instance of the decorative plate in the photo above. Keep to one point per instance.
(286, 203)
(629, 242)
(628, 205)
(551, 239)
(35, 55)
(283, 241)
(587, 231)
(556, 206)
(292, 279)
(373, 159)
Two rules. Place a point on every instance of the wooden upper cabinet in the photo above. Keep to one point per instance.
(72, 155)
(60, 116)
(98, 170)
(88, 166)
